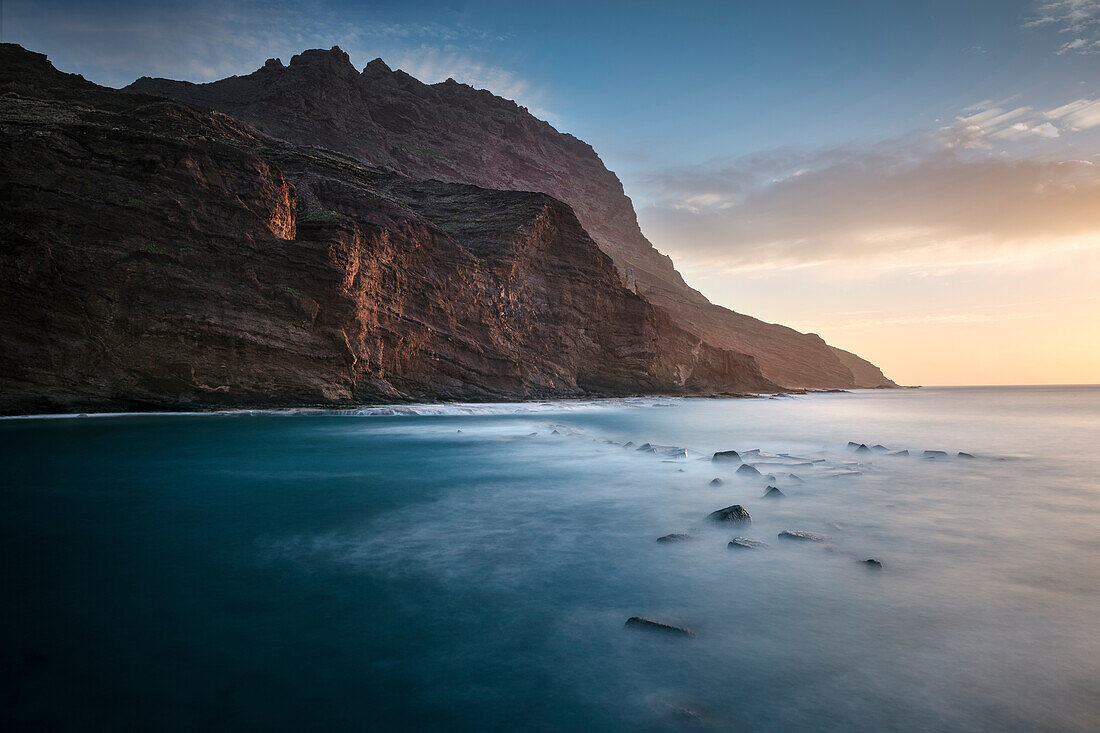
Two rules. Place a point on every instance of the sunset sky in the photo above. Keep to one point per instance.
(915, 182)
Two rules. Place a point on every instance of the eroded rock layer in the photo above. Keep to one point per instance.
(154, 254)
(453, 132)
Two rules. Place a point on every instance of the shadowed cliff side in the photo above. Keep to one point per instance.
(155, 254)
(453, 132)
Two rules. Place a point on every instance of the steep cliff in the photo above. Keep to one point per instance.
(453, 132)
(156, 254)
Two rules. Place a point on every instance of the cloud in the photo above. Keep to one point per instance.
(1081, 114)
(942, 199)
(1079, 19)
(432, 64)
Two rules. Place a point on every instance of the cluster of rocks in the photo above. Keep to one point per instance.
(737, 514)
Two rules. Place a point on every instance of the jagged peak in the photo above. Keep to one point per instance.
(377, 66)
(334, 59)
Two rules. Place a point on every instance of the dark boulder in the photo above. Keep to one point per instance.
(863, 449)
(674, 537)
(716, 481)
(726, 456)
(746, 543)
(880, 448)
(873, 563)
(735, 513)
(645, 624)
(934, 454)
(773, 492)
(747, 470)
(965, 455)
(801, 536)
(852, 445)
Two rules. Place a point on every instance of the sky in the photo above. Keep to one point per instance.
(916, 182)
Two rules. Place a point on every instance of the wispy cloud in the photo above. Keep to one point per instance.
(1077, 20)
(1000, 183)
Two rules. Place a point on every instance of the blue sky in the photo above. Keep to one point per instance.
(904, 178)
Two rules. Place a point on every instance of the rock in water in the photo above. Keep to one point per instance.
(852, 445)
(863, 449)
(726, 456)
(773, 492)
(674, 537)
(873, 563)
(880, 448)
(934, 454)
(747, 470)
(746, 543)
(645, 624)
(801, 536)
(716, 481)
(735, 513)
(900, 453)
(964, 455)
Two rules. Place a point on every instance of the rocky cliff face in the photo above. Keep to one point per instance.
(155, 254)
(453, 132)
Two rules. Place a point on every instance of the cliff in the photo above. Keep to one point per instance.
(154, 254)
(452, 132)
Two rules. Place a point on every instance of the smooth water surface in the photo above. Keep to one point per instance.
(467, 568)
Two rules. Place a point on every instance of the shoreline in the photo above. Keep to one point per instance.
(411, 408)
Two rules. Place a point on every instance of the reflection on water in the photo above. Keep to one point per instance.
(471, 567)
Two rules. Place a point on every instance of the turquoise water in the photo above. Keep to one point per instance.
(443, 569)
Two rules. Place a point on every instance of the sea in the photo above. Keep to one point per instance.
(472, 567)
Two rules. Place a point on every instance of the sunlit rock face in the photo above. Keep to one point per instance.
(161, 255)
(453, 132)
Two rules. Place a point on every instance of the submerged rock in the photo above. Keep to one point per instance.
(628, 444)
(716, 481)
(735, 513)
(646, 448)
(965, 455)
(773, 492)
(900, 453)
(674, 537)
(746, 543)
(726, 456)
(794, 477)
(863, 449)
(853, 445)
(801, 536)
(645, 624)
(747, 470)
(873, 563)
(880, 448)
(934, 454)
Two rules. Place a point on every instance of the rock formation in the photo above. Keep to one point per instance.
(154, 254)
(453, 132)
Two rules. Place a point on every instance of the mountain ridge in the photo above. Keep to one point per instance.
(160, 255)
(454, 132)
